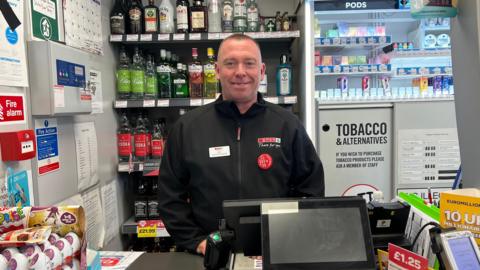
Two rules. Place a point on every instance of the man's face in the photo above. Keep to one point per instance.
(240, 69)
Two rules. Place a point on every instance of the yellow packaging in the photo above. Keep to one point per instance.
(461, 209)
(63, 219)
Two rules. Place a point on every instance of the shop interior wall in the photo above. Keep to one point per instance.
(466, 60)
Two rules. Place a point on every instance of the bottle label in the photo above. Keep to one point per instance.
(209, 68)
(135, 14)
(151, 86)
(165, 14)
(151, 20)
(138, 81)
(123, 81)
(117, 24)
(140, 209)
(239, 23)
(182, 17)
(227, 13)
(252, 14)
(124, 142)
(157, 148)
(163, 69)
(153, 209)
(240, 8)
(140, 145)
(149, 143)
(198, 19)
(284, 81)
(195, 68)
(179, 81)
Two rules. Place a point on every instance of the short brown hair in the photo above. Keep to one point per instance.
(240, 36)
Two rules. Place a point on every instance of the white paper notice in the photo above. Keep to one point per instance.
(59, 96)
(118, 260)
(13, 66)
(87, 154)
(428, 155)
(94, 216)
(96, 91)
(109, 205)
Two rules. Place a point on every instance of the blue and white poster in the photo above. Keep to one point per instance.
(13, 65)
(20, 189)
(47, 145)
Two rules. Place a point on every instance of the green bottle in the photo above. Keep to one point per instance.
(123, 76)
(211, 83)
(151, 89)
(180, 85)
(163, 75)
(137, 76)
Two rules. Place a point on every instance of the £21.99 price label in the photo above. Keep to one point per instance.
(148, 228)
(402, 259)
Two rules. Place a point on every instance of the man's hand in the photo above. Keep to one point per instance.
(202, 247)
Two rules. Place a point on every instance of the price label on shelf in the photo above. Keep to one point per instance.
(195, 102)
(291, 100)
(140, 167)
(400, 258)
(151, 228)
(213, 36)
(163, 37)
(120, 104)
(195, 36)
(146, 37)
(116, 38)
(178, 36)
(225, 35)
(208, 100)
(132, 37)
(149, 103)
(123, 167)
(273, 100)
(163, 103)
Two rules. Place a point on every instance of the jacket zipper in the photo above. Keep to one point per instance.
(239, 135)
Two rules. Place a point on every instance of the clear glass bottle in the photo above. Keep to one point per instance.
(135, 15)
(253, 18)
(157, 142)
(151, 87)
(151, 17)
(140, 139)
(183, 12)
(117, 18)
(227, 16)
(278, 21)
(211, 82)
(240, 15)
(166, 17)
(124, 139)
(195, 76)
(180, 83)
(198, 17)
(214, 17)
(284, 77)
(137, 76)
(164, 76)
(124, 86)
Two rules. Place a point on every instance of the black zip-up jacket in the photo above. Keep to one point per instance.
(213, 154)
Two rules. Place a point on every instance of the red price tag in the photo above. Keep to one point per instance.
(148, 228)
(402, 259)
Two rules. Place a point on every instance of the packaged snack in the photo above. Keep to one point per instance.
(18, 262)
(63, 219)
(13, 218)
(25, 236)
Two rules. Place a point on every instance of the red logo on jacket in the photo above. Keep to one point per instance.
(264, 161)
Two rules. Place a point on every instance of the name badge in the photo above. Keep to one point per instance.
(219, 151)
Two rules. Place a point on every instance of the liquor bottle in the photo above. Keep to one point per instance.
(137, 76)
(151, 87)
(166, 17)
(153, 211)
(214, 17)
(117, 18)
(183, 11)
(285, 22)
(123, 76)
(140, 139)
(157, 142)
(135, 14)
(148, 133)
(163, 75)
(124, 139)
(151, 17)
(195, 76)
(198, 17)
(284, 77)
(211, 82)
(240, 15)
(227, 16)
(252, 17)
(180, 86)
(278, 21)
(141, 200)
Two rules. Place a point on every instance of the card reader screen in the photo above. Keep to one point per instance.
(464, 254)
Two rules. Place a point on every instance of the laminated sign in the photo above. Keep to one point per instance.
(433, 8)
(461, 209)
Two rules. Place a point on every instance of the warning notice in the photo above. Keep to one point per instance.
(359, 159)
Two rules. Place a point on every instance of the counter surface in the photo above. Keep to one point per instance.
(167, 261)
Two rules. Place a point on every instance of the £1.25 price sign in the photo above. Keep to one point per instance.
(402, 259)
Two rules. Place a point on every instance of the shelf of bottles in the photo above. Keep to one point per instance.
(188, 37)
(359, 70)
(131, 227)
(350, 42)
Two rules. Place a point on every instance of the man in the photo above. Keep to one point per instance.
(239, 147)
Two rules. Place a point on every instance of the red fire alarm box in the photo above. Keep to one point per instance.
(18, 145)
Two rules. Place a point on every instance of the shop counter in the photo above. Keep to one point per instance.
(167, 261)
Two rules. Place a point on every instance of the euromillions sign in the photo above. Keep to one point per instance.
(325, 5)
